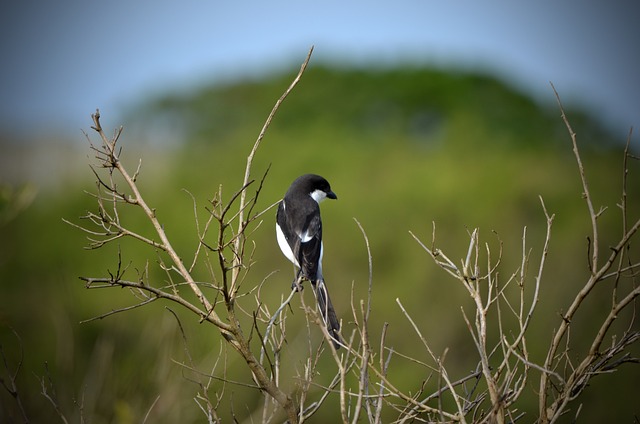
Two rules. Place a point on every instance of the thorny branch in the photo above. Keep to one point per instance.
(106, 227)
(506, 382)
(10, 381)
(364, 381)
(600, 272)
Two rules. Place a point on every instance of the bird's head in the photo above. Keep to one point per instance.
(318, 187)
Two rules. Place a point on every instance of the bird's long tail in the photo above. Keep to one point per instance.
(328, 313)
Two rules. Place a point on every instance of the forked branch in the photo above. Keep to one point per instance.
(105, 227)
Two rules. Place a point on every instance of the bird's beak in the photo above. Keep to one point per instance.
(332, 195)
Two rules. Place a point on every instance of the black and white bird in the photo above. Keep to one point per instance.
(299, 232)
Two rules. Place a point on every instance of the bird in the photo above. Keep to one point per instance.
(299, 235)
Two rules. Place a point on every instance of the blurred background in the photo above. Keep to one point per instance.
(416, 112)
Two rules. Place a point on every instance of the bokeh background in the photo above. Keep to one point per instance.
(416, 112)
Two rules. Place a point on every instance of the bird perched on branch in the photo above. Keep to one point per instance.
(299, 233)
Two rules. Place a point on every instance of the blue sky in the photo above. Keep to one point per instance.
(61, 60)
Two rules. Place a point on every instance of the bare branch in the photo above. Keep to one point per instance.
(10, 385)
(585, 186)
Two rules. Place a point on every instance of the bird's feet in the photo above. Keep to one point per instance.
(297, 284)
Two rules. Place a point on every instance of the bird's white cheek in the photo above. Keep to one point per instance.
(318, 195)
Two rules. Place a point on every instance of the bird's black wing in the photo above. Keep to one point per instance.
(310, 247)
(302, 227)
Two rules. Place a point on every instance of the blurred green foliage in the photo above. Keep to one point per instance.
(403, 148)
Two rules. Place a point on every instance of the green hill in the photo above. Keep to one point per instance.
(402, 148)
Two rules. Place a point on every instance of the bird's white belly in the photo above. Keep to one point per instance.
(284, 246)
